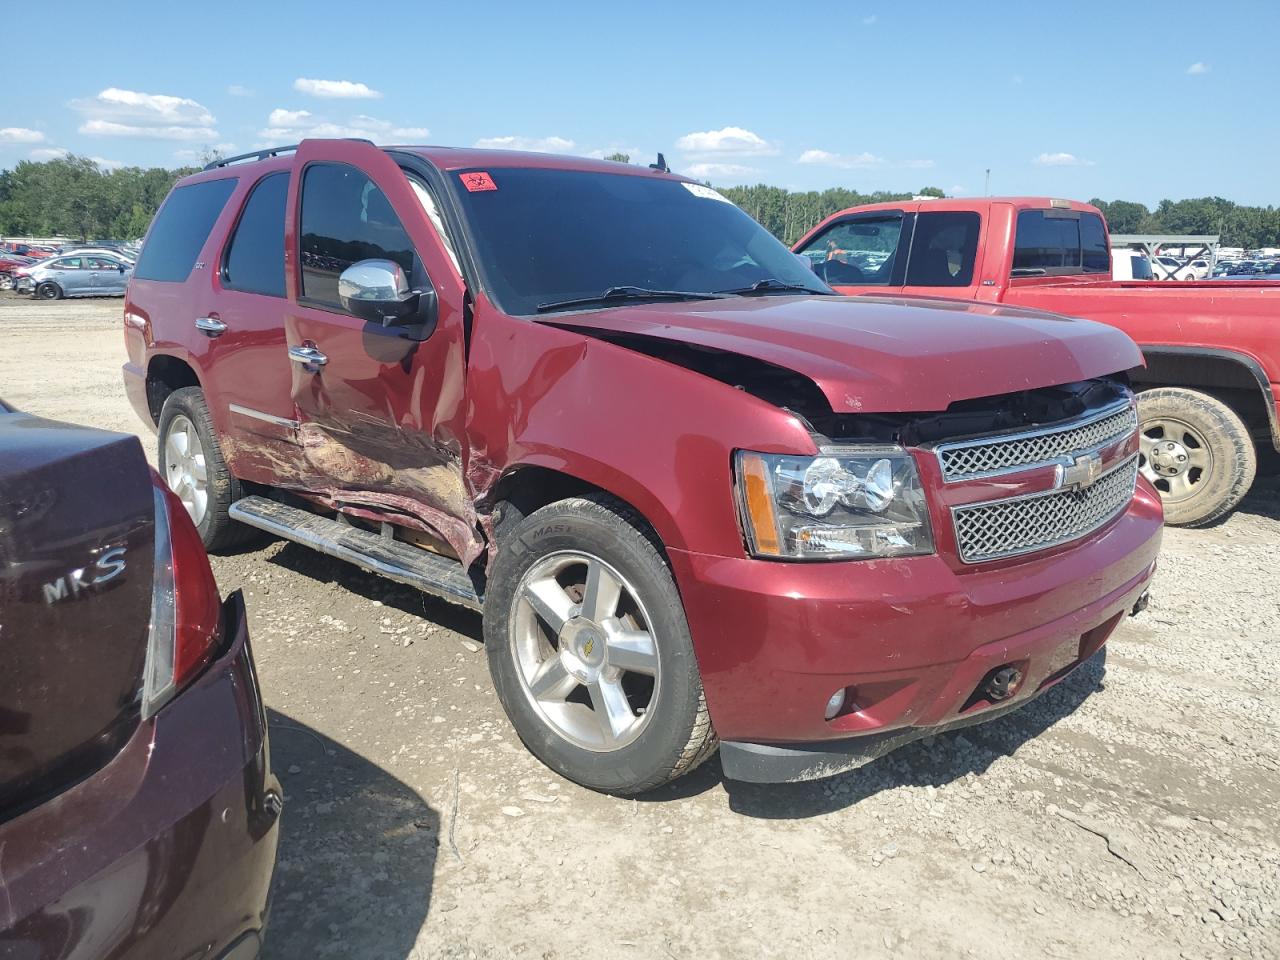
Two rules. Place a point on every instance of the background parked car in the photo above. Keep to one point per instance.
(9, 262)
(100, 275)
(1128, 264)
(138, 812)
(1165, 267)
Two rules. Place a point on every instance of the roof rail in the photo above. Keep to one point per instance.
(270, 152)
(256, 155)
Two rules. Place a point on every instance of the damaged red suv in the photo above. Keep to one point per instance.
(698, 497)
(138, 812)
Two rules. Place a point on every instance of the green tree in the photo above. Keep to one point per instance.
(620, 157)
(931, 192)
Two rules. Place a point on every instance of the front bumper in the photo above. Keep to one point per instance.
(913, 641)
(168, 851)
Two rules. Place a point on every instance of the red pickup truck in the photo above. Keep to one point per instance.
(1210, 389)
(695, 494)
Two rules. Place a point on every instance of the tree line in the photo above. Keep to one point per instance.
(73, 196)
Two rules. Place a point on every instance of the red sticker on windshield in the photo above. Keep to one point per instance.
(478, 182)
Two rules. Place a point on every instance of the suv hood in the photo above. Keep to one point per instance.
(886, 354)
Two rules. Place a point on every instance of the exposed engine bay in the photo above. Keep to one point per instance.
(799, 395)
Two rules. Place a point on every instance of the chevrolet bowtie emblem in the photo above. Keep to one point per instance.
(1079, 473)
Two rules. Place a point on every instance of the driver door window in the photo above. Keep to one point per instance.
(858, 252)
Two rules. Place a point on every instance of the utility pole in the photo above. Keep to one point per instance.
(988, 187)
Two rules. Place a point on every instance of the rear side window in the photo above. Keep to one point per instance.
(254, 261)
(943, 250)
(66, 263)
(1060, 242)
(346, 219)
(181, 228)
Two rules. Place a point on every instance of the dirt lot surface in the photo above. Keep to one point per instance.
(1131, 812)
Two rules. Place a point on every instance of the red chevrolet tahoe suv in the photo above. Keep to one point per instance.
(698, 497)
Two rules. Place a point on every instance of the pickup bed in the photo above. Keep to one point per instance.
(697, 496)
(1209, 391)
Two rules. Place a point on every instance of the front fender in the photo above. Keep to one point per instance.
(652, 433)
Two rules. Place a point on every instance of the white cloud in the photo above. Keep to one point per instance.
(106, 164)
(529, 144)
(868, 21)
(48, 153)
(236, 90)
(727, 140)
(1061, 160)
(1198, 68)
(847, 161)
(128, 113)
(336, 89)
(919, 164)
(286, 125)
(20, 135)
(708, 171)
(956, 191)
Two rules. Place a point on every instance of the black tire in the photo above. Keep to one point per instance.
(677, 735)
(1218, 489)
(217, 529)
(48, 291)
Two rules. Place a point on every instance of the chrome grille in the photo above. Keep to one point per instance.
(965, 460)
(1006, 528)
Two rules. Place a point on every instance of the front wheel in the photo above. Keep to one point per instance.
(589, 649)
(49, 291)
(1197, 453)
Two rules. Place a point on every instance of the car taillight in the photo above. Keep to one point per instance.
(185, 606)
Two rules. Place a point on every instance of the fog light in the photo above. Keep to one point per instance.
(835, 704)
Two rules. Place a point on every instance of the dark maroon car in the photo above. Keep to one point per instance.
(138, 811)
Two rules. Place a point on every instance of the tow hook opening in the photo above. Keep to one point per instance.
(1141, 603)
(1002, 682)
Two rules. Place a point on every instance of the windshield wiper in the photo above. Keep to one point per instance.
(772, 285)
(627, 293)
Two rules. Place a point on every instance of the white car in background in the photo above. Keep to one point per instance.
(1165, 267)
(1130, 264)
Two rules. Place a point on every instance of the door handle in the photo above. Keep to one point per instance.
(211, 326)
(307, 356)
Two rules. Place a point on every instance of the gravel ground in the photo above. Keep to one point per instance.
(1131, 812)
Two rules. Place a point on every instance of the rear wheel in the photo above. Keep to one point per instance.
(590, 651)
(49, 291)
(1197, 453)
(192, 466)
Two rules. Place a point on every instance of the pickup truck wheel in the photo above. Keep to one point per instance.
(1197, 453)
(590, 651)
(192, 466)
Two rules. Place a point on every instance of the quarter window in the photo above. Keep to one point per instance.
(255, 258)
(181, 228)
(943, 249)
(346, 219)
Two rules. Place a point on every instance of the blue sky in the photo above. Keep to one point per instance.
(1119, 100)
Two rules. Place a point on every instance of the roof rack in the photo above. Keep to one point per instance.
(256, 155)
(273, 152)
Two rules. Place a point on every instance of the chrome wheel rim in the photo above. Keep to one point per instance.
(1175, 457)
(185, 470)
(585, 651)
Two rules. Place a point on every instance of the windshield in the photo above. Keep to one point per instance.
(552, 236)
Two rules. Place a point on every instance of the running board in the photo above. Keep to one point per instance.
(388, 558)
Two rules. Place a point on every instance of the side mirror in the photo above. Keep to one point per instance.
(378, 291)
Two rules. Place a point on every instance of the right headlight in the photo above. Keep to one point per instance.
(847, 503)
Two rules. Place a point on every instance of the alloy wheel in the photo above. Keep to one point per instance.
(185, 469)
(587, 659)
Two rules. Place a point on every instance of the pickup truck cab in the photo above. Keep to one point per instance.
(1209, 392)
(697, 496)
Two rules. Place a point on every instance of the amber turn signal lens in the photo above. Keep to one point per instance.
(760, 509)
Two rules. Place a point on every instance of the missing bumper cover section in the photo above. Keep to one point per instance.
(393, 559)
